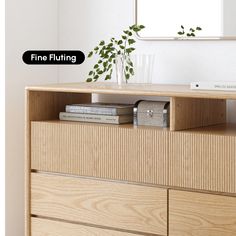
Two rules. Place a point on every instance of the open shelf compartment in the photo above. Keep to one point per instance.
(185, 113)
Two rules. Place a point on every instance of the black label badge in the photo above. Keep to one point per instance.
(53, 57)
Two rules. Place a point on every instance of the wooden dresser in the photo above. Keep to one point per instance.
(86, 179)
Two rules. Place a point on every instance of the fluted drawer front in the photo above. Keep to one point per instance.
(198, 214)
(123, 206)
(44, 227)
(203, 161)
(106, 151)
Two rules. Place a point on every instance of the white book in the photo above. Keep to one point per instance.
(67, 116)
(101, 109)
(223, 86)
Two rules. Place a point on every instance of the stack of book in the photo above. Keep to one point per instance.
(99, 113)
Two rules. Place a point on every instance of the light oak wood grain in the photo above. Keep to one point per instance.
(189, 113)
(124, 206)
(197, 214)
(105, 151)
(190, 159)
(202, 161)
(135, 89)
(42, 105)
(43, 227)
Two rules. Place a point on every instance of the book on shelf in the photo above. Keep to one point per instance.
(222, 86)
(71, 116)
(101, 109)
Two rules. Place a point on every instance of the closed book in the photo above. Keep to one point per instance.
(70, 116)
(101, 109)
(223, 86)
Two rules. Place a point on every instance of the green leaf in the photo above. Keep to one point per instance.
(105, 64)
(96, 77)
(182, 26)
(188, 34)
(96, 66)
(126, 31)
(122, 47)
(192, 34)
(131, 41)
(124, 37)
(109, 67)
(198, 28)
(133, 26)
(89, 80)
(96, 48)
(191, 29)
(110, 45)
(102, 43)
(120, 42)
(136, 30)
(130, 34)
(180, 33)
(108, 77)
(91, 72)
(90, 54)
(127, 76)
(129, 50)
(126, 68)
(100, 72)
(129, 62)
(131, 71)
(100, 61)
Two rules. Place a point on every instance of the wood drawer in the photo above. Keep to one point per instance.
(202, 161)
(123, 206)
(43, 227)
(184, 159)
(197, 214)
(97, 150)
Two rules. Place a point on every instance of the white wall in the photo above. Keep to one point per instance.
(33, 24)
(30, 24)
(83, 23)
(229, 25)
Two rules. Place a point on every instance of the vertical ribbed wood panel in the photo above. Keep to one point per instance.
(105, 151)
(203, 161)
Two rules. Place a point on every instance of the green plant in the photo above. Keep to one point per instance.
(191, 33)
(108, 53)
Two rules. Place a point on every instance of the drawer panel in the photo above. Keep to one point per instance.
(43, 227)
(203, 161)
(123, 206)
(197, 214)
(97, 150)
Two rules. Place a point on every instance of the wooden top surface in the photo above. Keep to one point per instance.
(135, 89)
